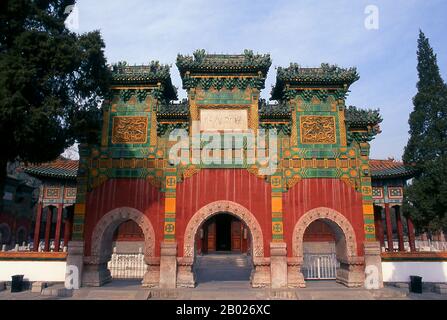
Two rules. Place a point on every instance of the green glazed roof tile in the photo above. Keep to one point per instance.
(202, 62)
(61, 168)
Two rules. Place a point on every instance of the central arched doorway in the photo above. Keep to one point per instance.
(193, 241)
(223, 250)
(223, 233)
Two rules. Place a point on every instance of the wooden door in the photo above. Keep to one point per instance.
(211, 236)
(236, 235)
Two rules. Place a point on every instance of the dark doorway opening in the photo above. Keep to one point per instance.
(223, 232)
(223, 247)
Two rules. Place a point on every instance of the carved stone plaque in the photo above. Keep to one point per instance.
(129, 129)
(318, 129)
(223, 119)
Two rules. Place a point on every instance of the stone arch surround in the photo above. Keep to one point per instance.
(260, 276)
(106, 226)
(217, 207)
(323, 213)
(95, 271)
(351, 271)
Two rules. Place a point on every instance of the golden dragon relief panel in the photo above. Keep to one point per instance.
(129, 129)
(318, 129)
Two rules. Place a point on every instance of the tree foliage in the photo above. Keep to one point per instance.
(426, 196)
(52, 81)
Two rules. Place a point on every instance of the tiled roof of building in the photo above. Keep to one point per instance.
(358, 118)
(271, 111)
(228, 63)
(325, 75)
(67, 169)
(173, 110)
(153, 73)
(390, 169)
(61, 168)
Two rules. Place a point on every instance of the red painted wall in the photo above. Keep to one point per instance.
(128, 231)
(237, 185)
(332, 193)
(318, 231)
(134, 193)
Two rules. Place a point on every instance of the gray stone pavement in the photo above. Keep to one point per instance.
(222, 267)
(228, 290)
(226, 277)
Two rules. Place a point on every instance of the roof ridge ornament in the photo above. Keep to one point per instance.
(199, 55)
(202, 62)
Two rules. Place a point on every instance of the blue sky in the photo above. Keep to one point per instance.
(308, 32)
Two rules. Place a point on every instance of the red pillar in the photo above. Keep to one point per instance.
(48, 229)
(37, 227)
(379, 225)
(57, 238)
(68, 225)
(411, 234)
(389, 227)
(400, 229)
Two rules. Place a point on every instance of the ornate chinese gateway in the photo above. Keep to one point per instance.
(318, 191)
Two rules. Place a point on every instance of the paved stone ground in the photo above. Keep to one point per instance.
(231, 290)
(222, 267)
(226, 277)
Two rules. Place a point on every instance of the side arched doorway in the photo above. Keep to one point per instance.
(349, 266)
(96, 266)
(193, 241)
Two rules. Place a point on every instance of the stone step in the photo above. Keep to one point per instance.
(282, 294)
(107, 294)
(441, 288)
(223, 264)
(390, 293)
(38, 286)
(211, 263)
(223, 295)
(334, 295)
(57, 291)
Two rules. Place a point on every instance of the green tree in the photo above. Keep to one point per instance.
(426, 196)
(52, 81)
